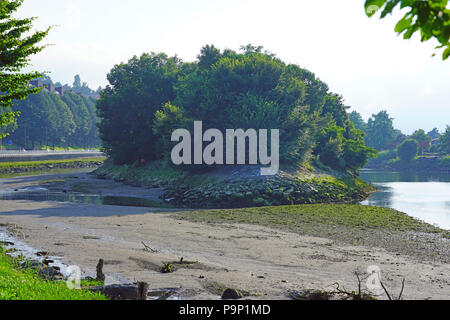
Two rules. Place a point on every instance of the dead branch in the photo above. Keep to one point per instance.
(147, 248)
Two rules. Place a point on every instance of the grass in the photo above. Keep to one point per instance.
(297, 216)
(34, 164)
(25, 284)
(156, 174)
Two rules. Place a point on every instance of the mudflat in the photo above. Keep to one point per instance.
(262, 262)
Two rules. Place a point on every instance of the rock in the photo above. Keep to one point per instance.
(51, 273)
(133, 291)
(42, 253)
(231, 294)
(31, 265)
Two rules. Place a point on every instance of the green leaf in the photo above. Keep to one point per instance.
(446, 53)
(389, 7)
(372, 6)
(403, 24)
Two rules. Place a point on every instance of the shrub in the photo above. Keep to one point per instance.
(408, 150)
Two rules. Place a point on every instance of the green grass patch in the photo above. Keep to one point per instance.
(300, 216)
(25, 284)
(350, 224)
(155, 174)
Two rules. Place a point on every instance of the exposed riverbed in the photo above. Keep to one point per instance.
(262, 261)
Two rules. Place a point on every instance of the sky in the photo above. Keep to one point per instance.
(360, 58)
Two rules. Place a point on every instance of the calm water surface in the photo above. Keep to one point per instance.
(423, 196)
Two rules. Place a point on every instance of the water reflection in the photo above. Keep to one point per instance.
(422, 196)
(41, 194)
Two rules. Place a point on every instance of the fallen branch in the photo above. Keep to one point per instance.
(147, 248)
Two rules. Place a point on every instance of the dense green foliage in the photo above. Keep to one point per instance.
(422, 139)
(48, 119)
(408, 149)
(444, 141)
(381, 134)
(152, 95)
(357, 120)
(429, 17)
(17, 44)
(398, 151)
(380, 131)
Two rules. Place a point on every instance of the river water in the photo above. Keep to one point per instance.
(423, 196)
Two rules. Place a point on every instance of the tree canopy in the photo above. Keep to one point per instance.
(444, 141)
(380, 131)
(408, 149)
(431, 18)
(17, 44)
(152, 95)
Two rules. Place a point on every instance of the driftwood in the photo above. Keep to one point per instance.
(133, 291)
(148, 249)
(100, 275)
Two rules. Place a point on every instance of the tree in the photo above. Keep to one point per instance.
(434, 134)
(76, 81)
(208, 56)
(422, 139)
(127, 106)
(81, 117)
(429, 17)
(343, 150)
(358, 121)
(444, 141)
(380, 131)
(15, 51)
(408, 149)
(50, 120)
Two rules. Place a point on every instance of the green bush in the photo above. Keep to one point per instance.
(408, 150)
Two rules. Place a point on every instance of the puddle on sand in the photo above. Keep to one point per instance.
(43, 194)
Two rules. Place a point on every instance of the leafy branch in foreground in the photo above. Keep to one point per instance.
(429, 17)
(15, 51)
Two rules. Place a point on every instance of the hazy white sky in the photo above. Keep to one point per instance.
(360, 58)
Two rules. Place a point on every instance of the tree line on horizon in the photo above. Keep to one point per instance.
(381, 135)
(50, 120)
(150, 96)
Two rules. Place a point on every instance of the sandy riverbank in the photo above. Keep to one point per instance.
(262, 261)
